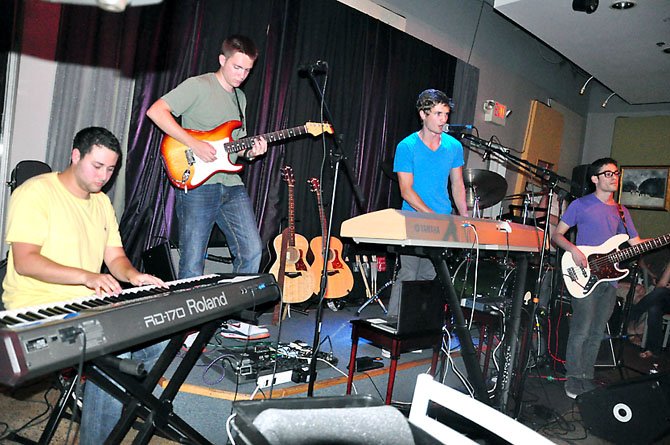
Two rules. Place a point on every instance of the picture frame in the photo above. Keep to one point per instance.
(645, 187)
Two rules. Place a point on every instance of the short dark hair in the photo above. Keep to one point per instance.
(429, 98)
(239, 44)
(85, 139)
(596, 165)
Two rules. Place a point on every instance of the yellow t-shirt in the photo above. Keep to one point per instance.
(72, 232)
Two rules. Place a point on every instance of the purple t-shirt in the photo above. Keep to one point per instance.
(596, 221)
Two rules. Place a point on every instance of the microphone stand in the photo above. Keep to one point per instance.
(550, 179)
(337, 157)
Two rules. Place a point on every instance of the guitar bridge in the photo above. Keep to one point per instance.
(190, 158)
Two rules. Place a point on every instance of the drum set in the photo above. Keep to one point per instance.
(491, 276)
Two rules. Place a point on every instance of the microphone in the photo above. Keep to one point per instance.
(125, 365)
(320, 66)
(455, 128)
(217, 258)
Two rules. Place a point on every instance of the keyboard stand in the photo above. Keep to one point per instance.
(137, 395)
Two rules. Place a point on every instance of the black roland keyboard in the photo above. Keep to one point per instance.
(41, 339)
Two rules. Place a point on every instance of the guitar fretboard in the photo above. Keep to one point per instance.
(640, 248)
(275, 136)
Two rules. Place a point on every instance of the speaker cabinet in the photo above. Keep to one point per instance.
(581, 181)
(630, 412)
(163, 261)
(559, 330)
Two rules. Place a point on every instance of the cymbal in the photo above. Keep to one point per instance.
(530, 208)
(488, 186)
(524, 195)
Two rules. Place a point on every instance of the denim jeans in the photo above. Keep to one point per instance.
(411, 268)
(100, 410)
(656, 303)
(587, 330)
(230, 208)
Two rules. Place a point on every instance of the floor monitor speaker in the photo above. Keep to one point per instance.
(629, 412)
(163, 261)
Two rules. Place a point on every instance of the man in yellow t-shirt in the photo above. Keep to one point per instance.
(61, 228)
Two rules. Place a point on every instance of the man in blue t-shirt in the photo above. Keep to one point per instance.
(598, 218)
(425, 161)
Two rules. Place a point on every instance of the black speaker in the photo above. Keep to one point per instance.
(163, 261)
(581, 181)
(559, 330)
(630, 412)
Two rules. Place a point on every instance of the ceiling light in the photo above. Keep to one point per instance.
(621, 5)
(587, 6)
(581, 92)
(604, 104)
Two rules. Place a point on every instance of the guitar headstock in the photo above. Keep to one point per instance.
(314, 185)
(287, 174)
(316, 128)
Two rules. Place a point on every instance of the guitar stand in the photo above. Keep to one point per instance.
(375, 297)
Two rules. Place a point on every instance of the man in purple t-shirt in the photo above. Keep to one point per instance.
(597, 219)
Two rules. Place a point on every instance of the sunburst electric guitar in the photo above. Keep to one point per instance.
(298, 281)
(340, 278)
(603, 263)
(186, 171)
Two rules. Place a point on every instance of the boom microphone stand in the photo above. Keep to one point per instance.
(337, 156)
(512, 346)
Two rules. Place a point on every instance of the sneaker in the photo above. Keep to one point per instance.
(573, 387)
(386, 353)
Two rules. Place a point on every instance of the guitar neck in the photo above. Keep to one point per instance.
(640, 248)
(275, 136)
(291, 216)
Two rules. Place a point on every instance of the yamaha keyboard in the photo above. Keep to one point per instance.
(406, 228)
(41, 339)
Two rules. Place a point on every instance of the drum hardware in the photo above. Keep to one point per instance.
(483, 189)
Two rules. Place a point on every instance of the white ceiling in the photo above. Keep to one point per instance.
(623, 50)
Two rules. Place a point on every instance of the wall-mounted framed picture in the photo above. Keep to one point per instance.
(644, 187)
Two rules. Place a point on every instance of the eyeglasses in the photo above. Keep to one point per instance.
(609, 173)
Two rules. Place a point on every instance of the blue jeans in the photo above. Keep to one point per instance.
(587, 330)
(656, 303)
(100, 410)
(412, 268)
(230, 208)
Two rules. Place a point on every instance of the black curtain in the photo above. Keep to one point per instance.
(375, 74)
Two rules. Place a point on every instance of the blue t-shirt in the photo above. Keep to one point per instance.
(596, 221)
(430, 169)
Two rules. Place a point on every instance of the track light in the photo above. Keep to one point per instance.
(587, 6)
(621, 5)
(581, 92)
(604, 104)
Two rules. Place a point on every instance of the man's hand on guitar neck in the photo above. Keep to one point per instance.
(259, 147)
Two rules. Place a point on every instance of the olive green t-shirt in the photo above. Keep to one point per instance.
(203, 104)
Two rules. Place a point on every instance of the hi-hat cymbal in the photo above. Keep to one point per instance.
(525, 195)
(488, 186)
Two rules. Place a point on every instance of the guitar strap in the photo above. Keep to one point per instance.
(623, 217)
(239, 109)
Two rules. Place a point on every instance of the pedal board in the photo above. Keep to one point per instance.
(286, 362)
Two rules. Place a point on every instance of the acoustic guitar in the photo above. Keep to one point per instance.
(298, 278)
(603, 263)
(340, 278)
(186, 171)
